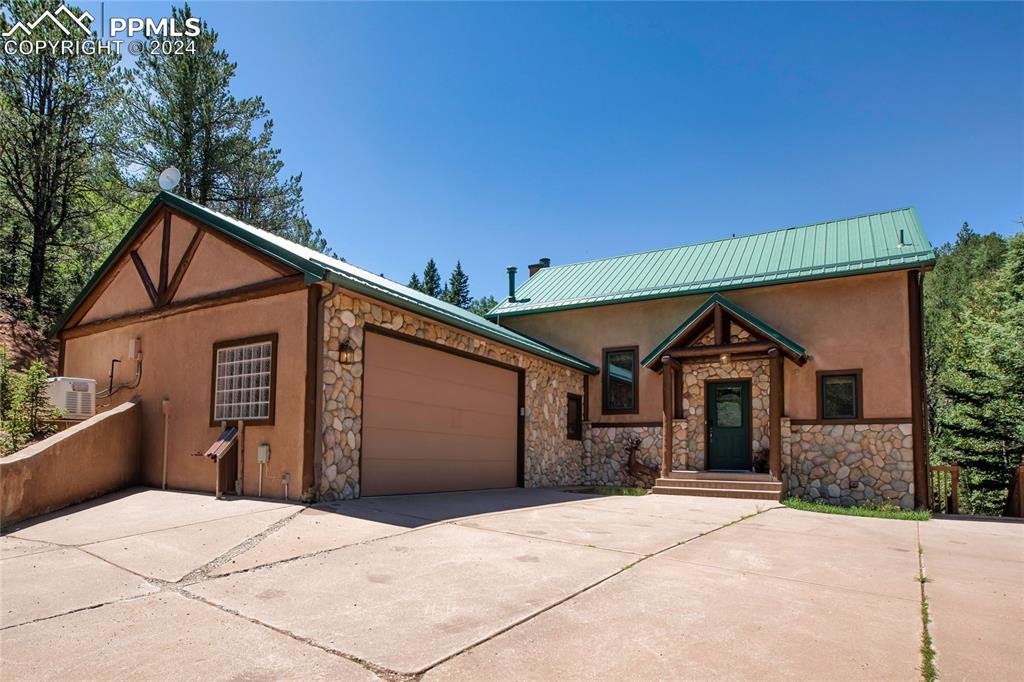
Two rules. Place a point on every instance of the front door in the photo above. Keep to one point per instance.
(728, 434)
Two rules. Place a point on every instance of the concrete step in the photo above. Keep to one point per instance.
(709, 484)
(719, 476)
(774, 496)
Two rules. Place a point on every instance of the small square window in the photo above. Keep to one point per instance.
(574, 418)
(839, 395)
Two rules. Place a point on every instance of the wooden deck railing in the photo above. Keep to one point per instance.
(945, 488)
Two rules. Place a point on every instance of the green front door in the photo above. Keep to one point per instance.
(728, 406)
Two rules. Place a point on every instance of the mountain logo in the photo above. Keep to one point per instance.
(63, 11)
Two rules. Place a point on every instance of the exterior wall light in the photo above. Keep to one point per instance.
(724, 357)
(346, 353)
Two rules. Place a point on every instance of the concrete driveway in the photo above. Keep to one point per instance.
(506, 584)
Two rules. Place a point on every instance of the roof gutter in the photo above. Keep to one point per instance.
(367, 288)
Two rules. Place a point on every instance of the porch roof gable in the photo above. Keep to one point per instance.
(790, 347)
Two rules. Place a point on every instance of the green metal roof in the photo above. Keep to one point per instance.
(836, 248)
(318, 267)
(794, 349)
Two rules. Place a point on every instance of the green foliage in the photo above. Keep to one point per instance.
(29, 415)
(415, 283)
(980, 423)
(884, 510)
(457, 290)
(178, 110)
(6, 384)
(482, 305)
(431, 280)
(56, 179)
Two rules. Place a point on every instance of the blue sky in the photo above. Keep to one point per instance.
(501, 133)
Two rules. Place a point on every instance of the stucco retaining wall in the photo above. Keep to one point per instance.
(97, 456)
(550, 458)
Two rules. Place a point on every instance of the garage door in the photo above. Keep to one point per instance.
(434, 421)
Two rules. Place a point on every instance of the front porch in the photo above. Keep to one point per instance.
(722, 404)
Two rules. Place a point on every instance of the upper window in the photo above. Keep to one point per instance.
(574, 418)
(620, 380)
(243, 382)
(839, 394)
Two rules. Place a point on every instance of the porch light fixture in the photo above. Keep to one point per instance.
(724, 358)
(346, 353)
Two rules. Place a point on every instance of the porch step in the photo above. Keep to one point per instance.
(720, 484)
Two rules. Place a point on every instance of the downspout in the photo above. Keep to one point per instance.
(318, 417)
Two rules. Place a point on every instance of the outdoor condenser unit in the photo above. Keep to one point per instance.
(76, 398)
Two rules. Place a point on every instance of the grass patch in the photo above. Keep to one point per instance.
(877, 511)
(609, 490)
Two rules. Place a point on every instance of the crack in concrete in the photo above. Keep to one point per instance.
(202, 574)
(419, 674)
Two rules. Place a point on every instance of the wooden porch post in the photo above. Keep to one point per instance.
(668, 411)
(775, 413)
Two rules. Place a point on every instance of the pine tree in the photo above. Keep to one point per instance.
(983, 427)
(431, 280)
(179, 111)
(458, 287)
(960, 265)
(482, 305)
(414, 282)
(52, 158)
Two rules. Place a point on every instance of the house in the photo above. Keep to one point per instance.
(802, 347)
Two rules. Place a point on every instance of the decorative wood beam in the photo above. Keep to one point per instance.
(144, 276)
(922, 483)
(179, 272)
(165, 253)
(730, 348)
(775, 413)
(668, 410)
(272, 287)
(721, 327)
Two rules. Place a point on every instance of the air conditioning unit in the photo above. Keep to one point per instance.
(74, 397)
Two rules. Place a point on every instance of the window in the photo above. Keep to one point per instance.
(244, 378)
(839, 394)
(574, 418)
(620, 380)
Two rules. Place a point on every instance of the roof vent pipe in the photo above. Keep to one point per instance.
(902, 243)
(512, 284)
(539, 265)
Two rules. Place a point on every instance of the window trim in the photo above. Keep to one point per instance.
(229, 343)
(858, 377)
(579, 416)
(605, 409)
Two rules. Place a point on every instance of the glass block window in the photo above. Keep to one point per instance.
(243, 381)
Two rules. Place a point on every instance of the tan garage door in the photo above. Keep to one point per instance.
(435, 421)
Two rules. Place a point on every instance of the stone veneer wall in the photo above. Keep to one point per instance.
(849, 464)
(550, 458)
(605, 461)
(694, 375)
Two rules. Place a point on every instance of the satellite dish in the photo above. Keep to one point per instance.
(170, 178)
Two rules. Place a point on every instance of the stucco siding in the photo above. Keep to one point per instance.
(845, 323)
(178, 366)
